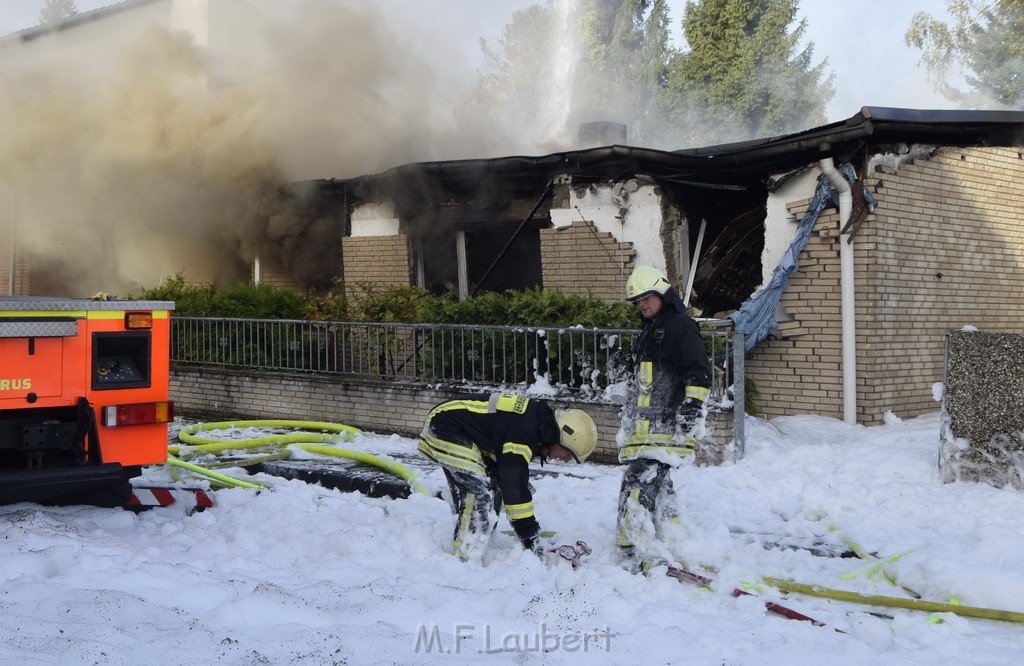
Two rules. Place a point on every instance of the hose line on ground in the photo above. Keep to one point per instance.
(895, 602)
(368, 458)
(324, 433)
(877, 566)
(223, 478)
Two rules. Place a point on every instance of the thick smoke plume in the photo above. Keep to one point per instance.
(118, 172)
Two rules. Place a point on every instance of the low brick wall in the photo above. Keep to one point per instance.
(217, 394)
(982, 434)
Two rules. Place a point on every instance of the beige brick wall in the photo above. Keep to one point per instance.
(578, 259)
(215, 394)
(943, 249)
(222, 394)
(380, 260)
(803, 373)
(277, 277)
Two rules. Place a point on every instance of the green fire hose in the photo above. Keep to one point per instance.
(316, 432)
(895, 602)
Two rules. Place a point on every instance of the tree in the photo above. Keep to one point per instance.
(568, 62)
(744, 74)
(627, 52)
(57, 10)
(985, 41)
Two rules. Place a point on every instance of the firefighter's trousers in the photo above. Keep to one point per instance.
(476, 497)
(476, 502)
(648, 506)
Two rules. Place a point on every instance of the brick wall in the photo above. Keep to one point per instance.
(946, 250)
(381, 260)
(276, 276)
(943, 249)
(802, 373)
(219, 394)
(578, 259)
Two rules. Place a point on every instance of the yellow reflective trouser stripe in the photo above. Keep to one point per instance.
(452, 455)
(521, 449)
(519, 511)
(628, 452)
(464, 523)
(699, 392)
(622, 535)
(645, 379)
(642, 440)
(663, 439)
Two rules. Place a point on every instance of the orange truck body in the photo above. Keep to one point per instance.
(84, 396)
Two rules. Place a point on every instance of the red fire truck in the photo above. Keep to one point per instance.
(84, 387)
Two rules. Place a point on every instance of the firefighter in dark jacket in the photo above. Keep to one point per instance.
(662, 418)
(484, 443)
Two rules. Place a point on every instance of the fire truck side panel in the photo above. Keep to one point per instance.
(31, 365)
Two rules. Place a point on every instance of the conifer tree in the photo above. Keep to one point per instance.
(744, 73)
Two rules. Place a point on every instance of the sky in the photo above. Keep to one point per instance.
(862, 40)
(300, 574)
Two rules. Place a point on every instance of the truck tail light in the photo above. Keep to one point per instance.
(138, 413)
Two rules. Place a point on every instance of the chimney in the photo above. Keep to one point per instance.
(602, 133)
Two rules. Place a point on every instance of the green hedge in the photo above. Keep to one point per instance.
(254, 301)
(368, 302)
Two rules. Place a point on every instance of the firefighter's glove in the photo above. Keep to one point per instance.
(692, 408)
(619, 365)
(690, 411)
(535, 546)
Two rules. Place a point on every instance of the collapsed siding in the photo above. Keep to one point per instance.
(579, 259)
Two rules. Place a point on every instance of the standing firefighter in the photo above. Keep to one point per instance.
(664, 410)
(485, 444)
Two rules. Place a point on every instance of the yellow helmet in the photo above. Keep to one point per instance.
(646, 280)
(577, 432)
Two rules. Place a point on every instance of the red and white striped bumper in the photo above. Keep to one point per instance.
(147, 498)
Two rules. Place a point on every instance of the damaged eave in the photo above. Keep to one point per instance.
(876, 128)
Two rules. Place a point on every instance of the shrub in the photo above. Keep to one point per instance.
(243, 300)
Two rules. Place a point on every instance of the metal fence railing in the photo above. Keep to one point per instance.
(577, 361)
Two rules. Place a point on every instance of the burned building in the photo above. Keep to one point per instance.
(844, 252)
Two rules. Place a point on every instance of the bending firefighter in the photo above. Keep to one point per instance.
(485, 444)
(664, 413)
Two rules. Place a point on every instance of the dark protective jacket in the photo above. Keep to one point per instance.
(669, 364)
(507, 431)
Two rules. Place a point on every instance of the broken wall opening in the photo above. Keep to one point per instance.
(729, 265)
